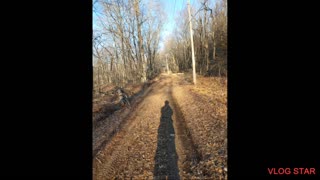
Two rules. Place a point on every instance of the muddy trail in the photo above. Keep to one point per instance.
(154, 142)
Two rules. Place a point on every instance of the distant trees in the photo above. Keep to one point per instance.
(125, 41)
(210, 40)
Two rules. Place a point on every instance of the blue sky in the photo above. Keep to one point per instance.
(172, 9)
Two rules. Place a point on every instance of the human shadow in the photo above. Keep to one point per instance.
(166, 166)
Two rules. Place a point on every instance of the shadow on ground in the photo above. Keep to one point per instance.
(166, 158)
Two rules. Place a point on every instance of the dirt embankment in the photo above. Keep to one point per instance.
(109, 117)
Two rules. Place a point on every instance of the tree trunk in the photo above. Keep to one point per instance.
(140, 39)
(99, 83)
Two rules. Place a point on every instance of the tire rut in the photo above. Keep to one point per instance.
(156, 144)
(187, 150)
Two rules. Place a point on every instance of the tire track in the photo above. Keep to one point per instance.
(186, 148)
(156, 144)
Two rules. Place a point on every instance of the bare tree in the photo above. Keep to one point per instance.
(126, 40)
(210, 39)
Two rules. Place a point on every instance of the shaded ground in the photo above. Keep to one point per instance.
(166, 156)
(107, 125)
(184, 138)
(106, 102)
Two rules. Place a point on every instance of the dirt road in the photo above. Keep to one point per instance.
(154, 143)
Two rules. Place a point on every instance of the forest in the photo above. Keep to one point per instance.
(159, 89)
(127, 34)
